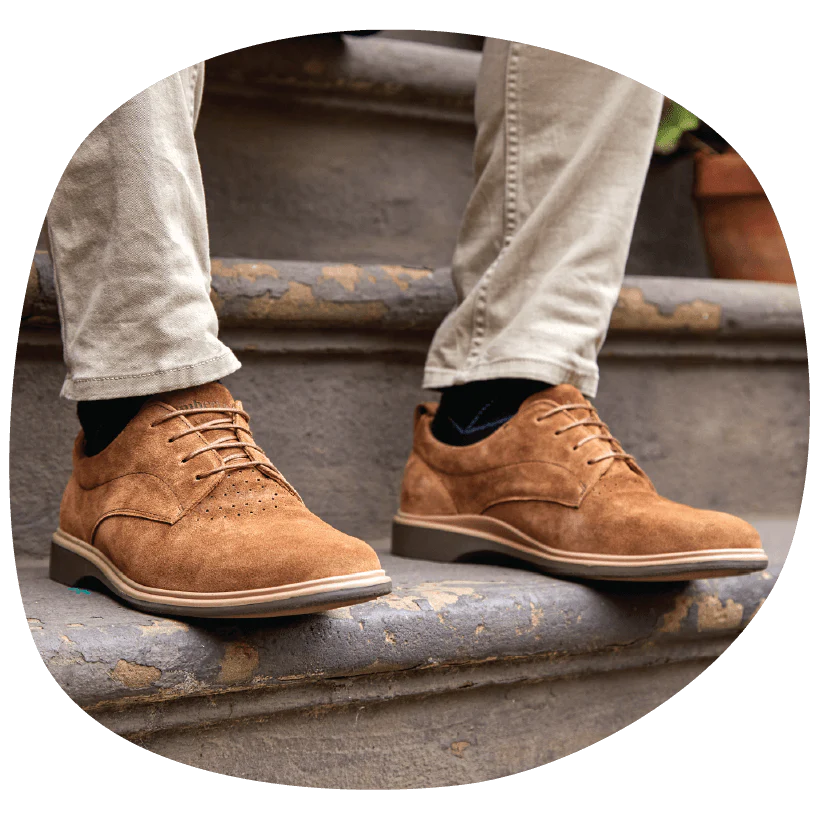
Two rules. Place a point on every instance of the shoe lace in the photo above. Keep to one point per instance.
(590, 421)
(235, 461)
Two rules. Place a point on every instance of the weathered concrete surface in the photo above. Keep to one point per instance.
(105, 655)
(547, 666)
(281, 294)
(330, 296)
(420, 742)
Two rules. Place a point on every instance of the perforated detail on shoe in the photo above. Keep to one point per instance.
(242, 493)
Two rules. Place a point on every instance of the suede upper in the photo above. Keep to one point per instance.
(172, 519)
(558, 486)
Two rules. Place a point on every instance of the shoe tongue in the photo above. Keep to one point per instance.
(201, 397)
(212, 394)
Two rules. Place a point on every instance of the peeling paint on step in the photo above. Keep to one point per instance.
(342, 613)
(395, 601)
(633, 312)
(397, 272)
(300, 305)
(163, 628)
(440, 596)
(135, 675)
(458, 747)
(714, 614)
(186, 684)
(536, 616)
(239, 663)
(348, 276)
(672, 621)
(243, 270)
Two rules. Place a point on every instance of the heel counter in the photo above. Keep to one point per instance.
(70, 519)
(423, 492)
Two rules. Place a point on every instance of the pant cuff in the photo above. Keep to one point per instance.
(436, 378)
(147, 384)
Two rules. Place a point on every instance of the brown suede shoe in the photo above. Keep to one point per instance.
(554, 488)
(182, 514)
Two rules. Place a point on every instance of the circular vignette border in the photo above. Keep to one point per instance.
(339, 28)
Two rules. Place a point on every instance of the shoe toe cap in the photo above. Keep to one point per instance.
(678, 528)
(308, 550)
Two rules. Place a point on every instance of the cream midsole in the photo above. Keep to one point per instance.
(354, 581)
(492, 529)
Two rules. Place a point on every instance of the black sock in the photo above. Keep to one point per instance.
(471, 412)
(102, 421)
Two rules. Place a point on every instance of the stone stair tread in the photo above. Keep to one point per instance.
(439, 616)
(276, 294)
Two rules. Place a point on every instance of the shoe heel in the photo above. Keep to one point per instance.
(427, 544)
(66, 567)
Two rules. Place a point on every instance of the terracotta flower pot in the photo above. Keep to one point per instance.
(742, 236)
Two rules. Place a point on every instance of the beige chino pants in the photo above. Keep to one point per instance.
(560, 159)
(129, 241)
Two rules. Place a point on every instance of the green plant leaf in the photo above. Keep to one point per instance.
(675, 121)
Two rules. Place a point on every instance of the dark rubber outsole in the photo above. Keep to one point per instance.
(427, 543)
(68, 568)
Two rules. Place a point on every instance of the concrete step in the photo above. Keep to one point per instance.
(360, 149)
(273, 295)
(705, 381)
(463, 673)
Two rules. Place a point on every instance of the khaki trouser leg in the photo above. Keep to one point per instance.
(129, 239)
(562, 151)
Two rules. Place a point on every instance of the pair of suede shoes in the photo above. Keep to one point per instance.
(183, 514)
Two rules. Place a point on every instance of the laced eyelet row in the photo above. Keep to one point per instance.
(589, 421)
(235, 461)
